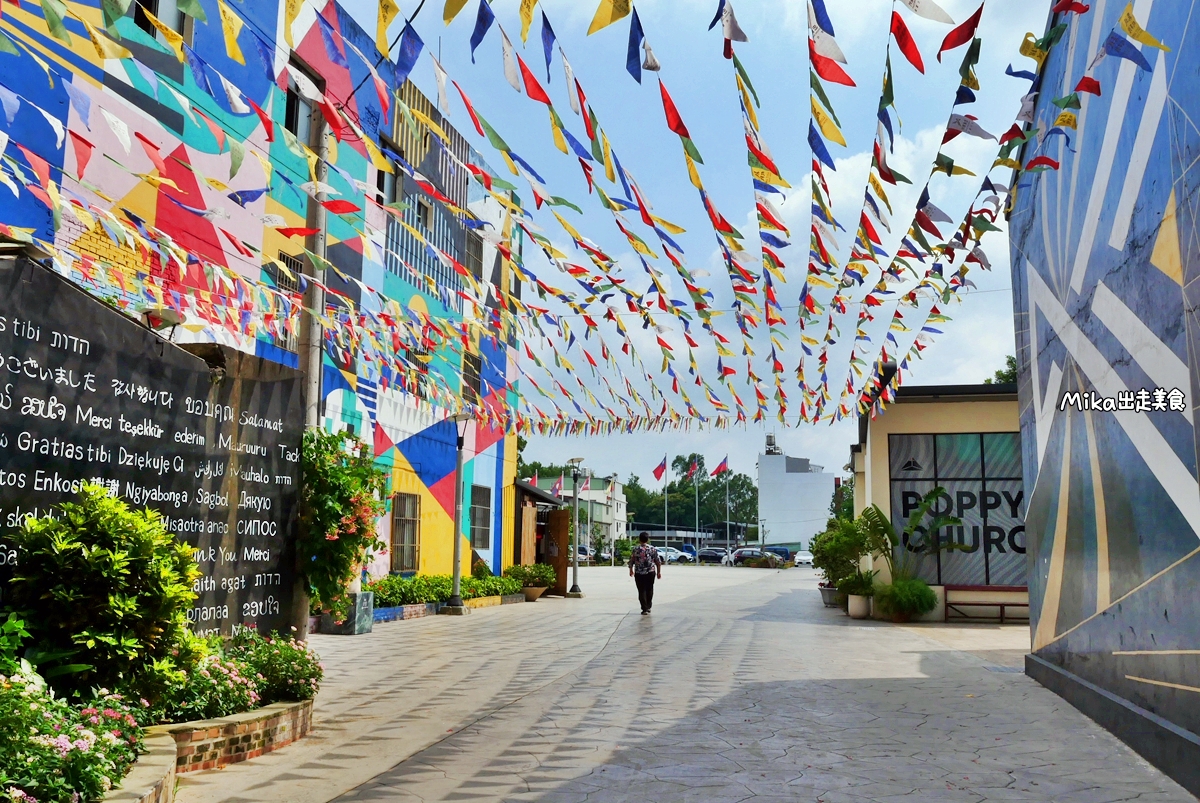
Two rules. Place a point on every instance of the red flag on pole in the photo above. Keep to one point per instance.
(660, 469)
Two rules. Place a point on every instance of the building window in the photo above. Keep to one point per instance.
(481, 517)
(425, 214)
(471, 380)
(165, 11)
(406, 532)
(474, 251)
(298, 113)
(286, 340)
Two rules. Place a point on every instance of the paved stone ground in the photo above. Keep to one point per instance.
(740, 686)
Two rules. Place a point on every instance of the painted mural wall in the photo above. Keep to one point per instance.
(164, 166)
(1104, 261)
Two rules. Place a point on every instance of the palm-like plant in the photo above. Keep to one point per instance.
(882, 537)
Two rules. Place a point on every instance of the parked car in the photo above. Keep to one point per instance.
(748, 553)
(585, 552)
(605, 556)
(670, 554)
(716, 555)
(689, 549)
(783, 553)
(802, 558)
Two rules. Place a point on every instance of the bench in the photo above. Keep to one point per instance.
(999, 601)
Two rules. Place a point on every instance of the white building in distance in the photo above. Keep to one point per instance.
(793, 498)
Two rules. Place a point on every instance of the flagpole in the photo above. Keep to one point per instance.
(666, 479)
(727, 508)
(696, 485)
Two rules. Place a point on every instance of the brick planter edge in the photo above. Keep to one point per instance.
(212, 743)
(152, 777)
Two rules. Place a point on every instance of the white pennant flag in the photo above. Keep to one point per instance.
(510, 62)
(439, 72)
(967, 125)
(570, 74)
(118, 127)
(649, 63)
(929, 10)
(730, 26)
(234, 96)
(59, 132)
(825, 45)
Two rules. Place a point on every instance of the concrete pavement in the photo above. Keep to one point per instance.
(740, 686)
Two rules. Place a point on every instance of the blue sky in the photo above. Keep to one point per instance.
(702, 84)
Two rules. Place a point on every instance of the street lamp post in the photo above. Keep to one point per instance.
(455, 602)
(575, 461)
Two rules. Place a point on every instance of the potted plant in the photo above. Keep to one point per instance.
(836, 553)
(534, 579)
(907, 595)
(858, 588)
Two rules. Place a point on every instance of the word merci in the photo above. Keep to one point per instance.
(1134, 401)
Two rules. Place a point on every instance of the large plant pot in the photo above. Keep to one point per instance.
(858, 607)
(831, 597)
(533, 592)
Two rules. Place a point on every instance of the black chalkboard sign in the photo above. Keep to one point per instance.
(213, 444)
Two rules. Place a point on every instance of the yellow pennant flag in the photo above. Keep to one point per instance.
(512, 167)
(291, 10)
(105, 47)
(438, 131)
(387, 12)
(767, 177)
(378, 160)
(1013, 163)
(1136, 32)
(1066, 120)
(1029, 48)
(693, 174)
(668, 225)
(878, 187)
(231, 26)
(609, 170)
(451, 10)
(312, 160)
(559, 142)
(173, 37)
(609, 12)
(827, 126)
(746, 104)
(527, 7)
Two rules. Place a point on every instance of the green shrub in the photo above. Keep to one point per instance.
(481, 571)
(339, 490)
(906, 597)
(489, 587)
(538, 575)
(393, 591)
(285, 670)
(860, 584)
(215, 686)
(53, 752)
(623, 547)
(104, 592)
(836, 551)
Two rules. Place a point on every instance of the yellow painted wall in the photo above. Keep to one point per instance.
(936, 417)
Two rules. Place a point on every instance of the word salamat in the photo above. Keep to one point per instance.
(1134, 401)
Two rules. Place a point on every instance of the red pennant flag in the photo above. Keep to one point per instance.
(1070, 7)
(83, 152)
(470, 108)
(238, 244)
(924, 221)
(532, 87)
(674, 121)
(268, 125)
(905, 41)
(1042, 161)
(1089, 85)
(827, 68)
(39, 166)
(865, 223)
(962, 34)
(339, 206)
(296, 231)
(152, 151)
(1013, 133)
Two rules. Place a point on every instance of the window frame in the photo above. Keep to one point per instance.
(474, 515)
(402, 549)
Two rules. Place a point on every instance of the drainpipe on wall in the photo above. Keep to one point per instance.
(314, 337)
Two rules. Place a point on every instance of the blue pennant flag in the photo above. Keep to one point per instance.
(965, 95)
(633, 59)
(335, 55)
(548, 44)
(773, 241)
(526, 165)
(243, 197)
(577, 146)
(1026, 74)
(483, 23)
(717, 18)
(196, 65)
(886, 119)
(818, 146)
(822, 16)
(1122, 48)
(406, 58)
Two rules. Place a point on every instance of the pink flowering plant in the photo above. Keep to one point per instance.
(55, 752)
(339, 504)
(215, 686)
(286, 670)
